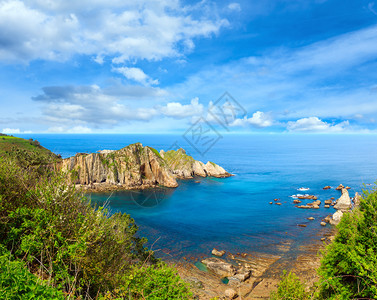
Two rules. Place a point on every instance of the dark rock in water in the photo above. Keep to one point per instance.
(323, 239)
(278, 203)
(296, 201)
(327, 206)
(328, 201)
(311, 218)
(327, 219)
(219, 266)
(332, 198)
(347, 188)
(311, 197)
(301, 225)
(323, 223)
(270, 202)
(327, 187)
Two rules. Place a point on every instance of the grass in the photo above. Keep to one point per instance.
(27, 152)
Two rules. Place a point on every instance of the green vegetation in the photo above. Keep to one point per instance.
(290, 288)
(77, 249)
(178, 159)
(349, 265)
(155, 152)
(26, 152)
(16, 282)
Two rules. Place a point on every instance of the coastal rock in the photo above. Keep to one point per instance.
(323, 223)
(336, 217)
(327, 219)
(344, 202)
(340, 187)
(242, 275)
(230, 293)
(135, 166)
(347, 188)
(356, 199)
(296, 201)
(194, 282)
(218, 253)
(311, 218)
(327, 187)
(219, 266)
(327, 206)
(311, 197)
(328, 202)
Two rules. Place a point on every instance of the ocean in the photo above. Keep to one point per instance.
(235, 214)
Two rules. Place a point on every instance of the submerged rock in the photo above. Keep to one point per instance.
(327, 187)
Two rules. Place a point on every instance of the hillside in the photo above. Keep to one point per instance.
(25, 152)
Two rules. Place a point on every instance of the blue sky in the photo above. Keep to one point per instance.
(153, 66)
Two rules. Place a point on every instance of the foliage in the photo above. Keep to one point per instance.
(26, 152)
(348, 269)
(152, 282)
(16, 282)
(290, 288)
(82, 250)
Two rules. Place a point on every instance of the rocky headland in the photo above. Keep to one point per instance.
(135, 167)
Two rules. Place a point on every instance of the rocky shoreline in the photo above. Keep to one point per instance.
(256, 275)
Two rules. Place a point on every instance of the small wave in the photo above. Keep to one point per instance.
(301, 189)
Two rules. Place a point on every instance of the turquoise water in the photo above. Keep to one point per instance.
(234, 214)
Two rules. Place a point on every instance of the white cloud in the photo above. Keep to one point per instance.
(120, 30)
(259, 119)
(178, 110)
(234, 6)
(135, 74)
(14, 130)
(314, 124)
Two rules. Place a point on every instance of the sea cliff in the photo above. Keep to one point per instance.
(136, 166)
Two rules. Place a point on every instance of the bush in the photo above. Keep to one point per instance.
(16, 282)
(290, 288)
(82, 250)
(348, 268)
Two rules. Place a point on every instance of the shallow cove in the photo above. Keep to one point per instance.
(234, 213)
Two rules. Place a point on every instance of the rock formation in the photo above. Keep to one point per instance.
(335, 219)
(344, 202)
(219, 266)
(136, 166)
(184, 166)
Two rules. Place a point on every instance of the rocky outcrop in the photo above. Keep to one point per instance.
(184, 166)
(344, 202)
(135, 166)
(336, 217)
(357, 199)
(219, 267)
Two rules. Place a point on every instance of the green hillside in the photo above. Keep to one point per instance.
(26, 152)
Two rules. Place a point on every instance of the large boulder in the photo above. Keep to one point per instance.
(336, 217)
(219, 266)
(344, 202)
(356, 199)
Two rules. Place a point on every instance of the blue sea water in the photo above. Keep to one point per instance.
(234, 213)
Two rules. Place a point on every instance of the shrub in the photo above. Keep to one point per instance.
(82, 250)
(16, 282)
(348, 268)
(290, 288)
